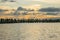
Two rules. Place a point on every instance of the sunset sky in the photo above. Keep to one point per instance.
(32, 3)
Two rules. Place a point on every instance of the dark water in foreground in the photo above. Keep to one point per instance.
(30, 31)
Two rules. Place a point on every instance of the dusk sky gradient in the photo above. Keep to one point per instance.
(28, 3)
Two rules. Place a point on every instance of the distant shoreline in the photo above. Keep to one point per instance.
(2, 21)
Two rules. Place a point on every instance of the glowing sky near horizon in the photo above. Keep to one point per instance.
(26, 3)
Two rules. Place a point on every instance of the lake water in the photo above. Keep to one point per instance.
(30, 31)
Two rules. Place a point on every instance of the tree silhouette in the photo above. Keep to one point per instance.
(27, 21)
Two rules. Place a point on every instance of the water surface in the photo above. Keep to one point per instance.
(30, 31)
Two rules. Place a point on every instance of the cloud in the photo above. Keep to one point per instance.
(8, 1)
(32, 3)
(34, 6)
(50, 9)
(48, 1)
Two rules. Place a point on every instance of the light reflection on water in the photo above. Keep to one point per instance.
(30, 31)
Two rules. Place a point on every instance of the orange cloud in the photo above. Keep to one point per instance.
(36, 6)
